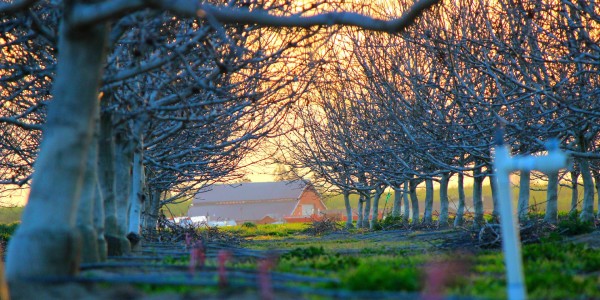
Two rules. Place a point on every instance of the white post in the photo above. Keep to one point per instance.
(511, 245)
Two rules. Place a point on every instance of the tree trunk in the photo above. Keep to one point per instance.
(493, 188)
(85, 210)
(460, 211)
(136, 200)
(478, 197)
(428, 213)
(367, 212)
(552, 199)
(106, 177)
(46, 242)
(524, 187)
(443, 220)
(123, 157)
(587, 209)
(414, 201)
(152, 211)
(597, 185)
(375, 215)
(361, 202)
(405, 197)
(99, 221)
(574, 192)
(397, 206)
(349, 216)
(98, 210)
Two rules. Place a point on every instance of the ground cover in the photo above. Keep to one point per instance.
(563, 262)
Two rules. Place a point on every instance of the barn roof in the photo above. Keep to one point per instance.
(251, 191)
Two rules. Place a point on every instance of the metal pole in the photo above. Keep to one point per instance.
(510, 235)
(504, 164)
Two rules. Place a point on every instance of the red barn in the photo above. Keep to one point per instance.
(255, 201)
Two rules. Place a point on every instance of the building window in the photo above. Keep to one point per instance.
(308, 209)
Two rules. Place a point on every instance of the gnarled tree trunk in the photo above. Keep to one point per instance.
(414, 200)
(428, 213)
(443, 220)
(136, 200)
(85, 210)
(597, 185)
(46, 242)
(375, 216)
(587, 209)
(99, 222)
(493, 188)
(397, 208)
(367, 212)
(106, 177)
(123, 159)
(152, 211)
(349, 216)
(524, 187)
(478, 197)
(405, 197)
(552, 199)
(574, 192)
(460, 210)
(360, 204)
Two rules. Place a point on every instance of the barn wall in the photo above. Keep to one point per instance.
(309, 196)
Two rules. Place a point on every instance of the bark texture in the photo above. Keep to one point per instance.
(106, 177)
(478, 198)
(397, 207)
(123, 158)
(524, 187)
(348, 209)
(460, 210)
(414, 200)
(443, 220)
(587, 207)
(38, 248)
(552, 199)
(405, 197)
(428, 213)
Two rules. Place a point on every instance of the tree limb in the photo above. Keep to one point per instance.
(85, 14)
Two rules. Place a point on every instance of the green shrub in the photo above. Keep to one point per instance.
(7, 230)
(248, 225)
(390, 222)
(371, 277)
(573, 226)
(304, 253)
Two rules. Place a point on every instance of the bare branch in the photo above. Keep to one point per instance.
(239, 16)
(87, 14)
(92, 13)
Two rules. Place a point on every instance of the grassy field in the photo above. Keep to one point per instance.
(365, 263)
(10, 214)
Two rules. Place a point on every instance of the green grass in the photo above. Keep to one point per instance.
(266, 231)
(10, 215)
(554, 269)
(178, 209)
